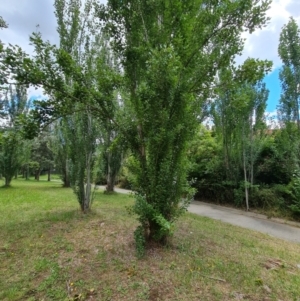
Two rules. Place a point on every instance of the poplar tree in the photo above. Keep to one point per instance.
(170, 51)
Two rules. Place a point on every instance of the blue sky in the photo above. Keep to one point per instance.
(273, 84)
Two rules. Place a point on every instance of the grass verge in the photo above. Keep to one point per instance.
(50, 251)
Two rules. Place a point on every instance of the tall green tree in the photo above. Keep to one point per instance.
(238, 113)
(111, 153)
(13, 104)
(75, 32)
(59, 144)
(41, 154)
(75, 76)
(289, 52)
(170, 52)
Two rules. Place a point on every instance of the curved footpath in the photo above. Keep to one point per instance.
(283, 229)
(275, 227)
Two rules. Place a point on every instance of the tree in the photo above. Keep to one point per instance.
(75, 76)
(59, 145)
(81, 135)
(238, 113)
(289, 52)
(170, 52)
(9, 155)
(74, 30)
(41, 154)
(14, 105)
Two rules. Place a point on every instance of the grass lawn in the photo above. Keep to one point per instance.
(50, 251)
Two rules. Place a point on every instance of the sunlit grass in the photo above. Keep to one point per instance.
(49, 250)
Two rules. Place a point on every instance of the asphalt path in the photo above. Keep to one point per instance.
(279, 228)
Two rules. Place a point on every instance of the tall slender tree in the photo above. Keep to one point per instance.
(170, 52)
(74, 28)
(238, 113)
(289, 52)
(14, 104)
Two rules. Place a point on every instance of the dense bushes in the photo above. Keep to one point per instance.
(274, 184)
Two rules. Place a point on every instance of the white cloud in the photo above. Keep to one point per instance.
(263, 44)
(23, 16)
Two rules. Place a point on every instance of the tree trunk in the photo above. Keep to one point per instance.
(27, 172)
(7, 181)
(245, 180)
(37, 174)
(109, 178)
(49, 174)
(251, 155)
(65, 176)
(87, 192)
(88, 195)
(110, 184)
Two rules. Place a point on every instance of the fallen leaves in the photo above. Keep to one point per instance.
(272, 264)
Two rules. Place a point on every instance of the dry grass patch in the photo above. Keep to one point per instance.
(51, 251)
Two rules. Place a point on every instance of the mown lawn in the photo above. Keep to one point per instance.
(50, 251)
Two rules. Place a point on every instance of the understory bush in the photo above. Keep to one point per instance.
(294, 188)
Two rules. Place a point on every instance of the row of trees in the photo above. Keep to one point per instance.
(252, 162)
(144, 73)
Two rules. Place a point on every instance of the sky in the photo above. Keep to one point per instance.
(23, 16)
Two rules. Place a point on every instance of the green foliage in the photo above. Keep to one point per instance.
(41, 152)
(170, 61)
(294, 187)
(147, 213)
(265, 197)
(289, 52)
(9, 155)
(206, 166)
(81, 137)
(2, 23)
(13, 106)
(169, 53)
(59, 144)
(276, 159)
(140, 241)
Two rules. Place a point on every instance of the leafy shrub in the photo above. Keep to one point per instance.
(294, 187)
(264, 197)
(127, 179)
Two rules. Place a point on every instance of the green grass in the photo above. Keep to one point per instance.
(50, 251)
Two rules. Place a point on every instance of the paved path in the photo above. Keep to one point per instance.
(275, 227)
(258, 222)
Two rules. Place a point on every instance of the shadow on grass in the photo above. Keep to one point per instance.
(64, 216)
(39, 222)
(48, 187)
(7, 187)
(34, 185)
